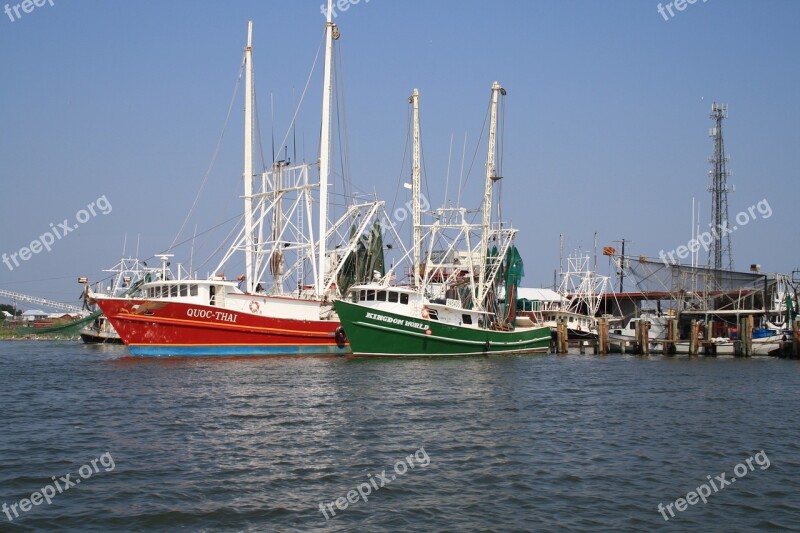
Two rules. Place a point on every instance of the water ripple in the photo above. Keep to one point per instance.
(546, 443)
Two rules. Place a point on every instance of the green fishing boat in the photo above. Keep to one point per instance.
(460, 297)
(397, 321)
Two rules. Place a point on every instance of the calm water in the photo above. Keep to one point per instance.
(541, 443)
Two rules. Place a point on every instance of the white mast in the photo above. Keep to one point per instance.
(487, 194)
(415, 188)
(248, 159)
(324, 150)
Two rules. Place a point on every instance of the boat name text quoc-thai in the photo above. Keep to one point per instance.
(207, 313)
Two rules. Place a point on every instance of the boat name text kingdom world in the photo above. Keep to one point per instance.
(399, 321)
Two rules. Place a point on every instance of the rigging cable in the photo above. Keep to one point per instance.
(213, 157)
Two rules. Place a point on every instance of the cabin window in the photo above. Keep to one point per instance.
(381, 296)
(370, 295)
(404, 299)
(393, 297)
(572, 319)
(212, 295)
(631, 326)
(192, 290)
(434, 315)
(363, 295)
(184, 290)
(466, 319)
(173, 291)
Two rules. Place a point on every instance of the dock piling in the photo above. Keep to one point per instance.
(562, 335)
(746, 335)
(672, 334)
(602, 335)
(694, 333)
(708, 346)
(645, 337)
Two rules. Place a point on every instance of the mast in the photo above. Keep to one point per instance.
(487, 194)
(324, 150)
(248, 159)
(415, 188)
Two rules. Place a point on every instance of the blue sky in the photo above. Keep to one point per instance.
(606, 118)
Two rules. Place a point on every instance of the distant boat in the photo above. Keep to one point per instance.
(656, 324)
(577, 301)
(100, 331)
(175, 315)
(453, 306)
(127, 275)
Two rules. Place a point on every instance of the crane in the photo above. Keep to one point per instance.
(19, 297)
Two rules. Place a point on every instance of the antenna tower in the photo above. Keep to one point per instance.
(720, 256)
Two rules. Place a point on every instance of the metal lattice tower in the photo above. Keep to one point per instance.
(720, 255)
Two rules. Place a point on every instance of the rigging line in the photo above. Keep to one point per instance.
(424, 171)
(339, 125)
(272, 124)
(212, 228)
(447, 178)
(478, 144)
(461, 172)
(403, 161)
(257, 123)
(213, 157)
(223, 241)
(336, 121)
(35, 280)
(305, 90)
(167, 250)
(294, 133)
(501, 149)
(344, 136)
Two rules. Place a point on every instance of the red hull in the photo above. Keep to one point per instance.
(159, 328)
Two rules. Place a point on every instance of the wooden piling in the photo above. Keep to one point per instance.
(709, 348)
(746, 335)
(693, 334)
(672, 335)
(602, 335)
(645, 337)
(562, 335)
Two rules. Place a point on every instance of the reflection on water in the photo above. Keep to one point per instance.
(515, 443)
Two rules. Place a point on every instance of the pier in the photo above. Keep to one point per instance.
(697, 344)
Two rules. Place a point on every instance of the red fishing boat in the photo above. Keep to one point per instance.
(282, 304)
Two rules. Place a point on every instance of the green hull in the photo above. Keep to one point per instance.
(377, 333)
(66, 331)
